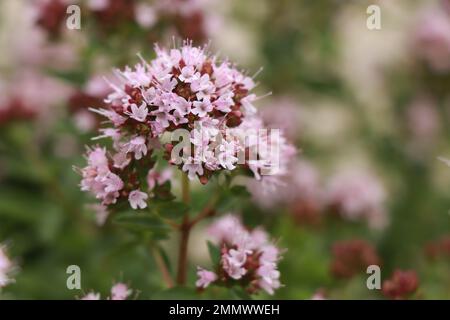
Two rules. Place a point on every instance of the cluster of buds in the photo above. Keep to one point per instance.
(119, 291)
(248, 258)
(6, 268)
(186, 93)
(351, 257)
(357, 196)
(401, 285)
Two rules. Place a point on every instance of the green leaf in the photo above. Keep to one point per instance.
(142, 222)
(214, 253)
(240, 293)
(171, 210)
(240, 191)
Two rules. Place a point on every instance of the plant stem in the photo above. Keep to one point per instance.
(185, 229)
(185, 187)
(162, 266)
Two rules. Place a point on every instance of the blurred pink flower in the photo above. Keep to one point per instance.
(91, 296)
(283, 113)
(6, 267)
(101, 213)
(423, 119)
(120, 291)
(357, 195)
(432, 39)
(300, 183)
(30, 94)
(205, 278)
(146, 15)
(158, 178)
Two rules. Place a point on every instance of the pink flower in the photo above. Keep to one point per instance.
(101, 213)
(269, 280)
(6, 268)
(138, 146)
(146, 15)
(192, 168)
(158, 178)
(433, 39)
(205, 278)
(357, 195)
(245, 253)
(138, 113)
(120, 291)
(187, 74)
(98, 179)
(91, 296)
(138, 199)
(121, 160)
(201, 108)
(98, 5)
(202, 86)
(182, 106)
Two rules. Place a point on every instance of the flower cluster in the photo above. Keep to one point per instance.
(401, 285)
(6, 267)
(351, 257)
(184, 89)
(119, 291)
(356, 196)
(248, 258)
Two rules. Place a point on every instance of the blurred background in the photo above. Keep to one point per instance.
(369, 111)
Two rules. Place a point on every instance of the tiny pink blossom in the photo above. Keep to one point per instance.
(120, 291)
(192, 168)
(91, 296)
(6, 268)
(155, 177)
(201, 108)
(138, 146)
(138, 199)
(187, 74)
(205, 278)
(138, 113)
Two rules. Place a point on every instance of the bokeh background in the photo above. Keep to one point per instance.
(368, 109)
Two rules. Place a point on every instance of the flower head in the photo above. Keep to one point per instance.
(401, 285)
(181, 89)
(247, 257)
